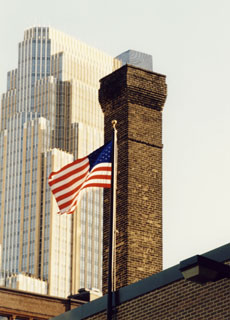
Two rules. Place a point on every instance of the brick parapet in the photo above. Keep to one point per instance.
(30, 305)
(166, 296)
(178, 300)
(134, 85)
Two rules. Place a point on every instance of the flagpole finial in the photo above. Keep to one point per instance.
(114, 123)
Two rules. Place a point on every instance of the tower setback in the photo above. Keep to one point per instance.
(50, 115)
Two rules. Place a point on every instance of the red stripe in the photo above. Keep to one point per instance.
(67, 175)
(69, 184)
(99, 176)
(102, 174)
(101, 169)
(67, 166)
(102, 185)
(67, 194)
(68, 204)
(95, 184)
(70, 212)
(74, 202)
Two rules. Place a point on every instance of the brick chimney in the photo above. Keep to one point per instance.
(135, 98)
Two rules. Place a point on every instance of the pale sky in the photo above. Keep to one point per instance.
(190, 43)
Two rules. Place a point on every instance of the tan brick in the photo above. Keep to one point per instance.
(135, 98)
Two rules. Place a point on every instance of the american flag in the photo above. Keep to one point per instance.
(68, 183)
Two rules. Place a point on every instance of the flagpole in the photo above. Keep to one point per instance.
(111, 223)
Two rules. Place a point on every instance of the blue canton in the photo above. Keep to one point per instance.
(103, 154)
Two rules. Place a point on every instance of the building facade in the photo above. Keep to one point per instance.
(49, 116)
(18, 304)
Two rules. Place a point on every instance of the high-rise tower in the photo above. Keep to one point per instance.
(49, 115)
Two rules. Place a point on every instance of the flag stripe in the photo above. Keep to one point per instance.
(70, 184)
(69, 167)
(70, 191)
(69, 175)
(99, 180)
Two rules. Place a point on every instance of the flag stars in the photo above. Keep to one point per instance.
(101, 155)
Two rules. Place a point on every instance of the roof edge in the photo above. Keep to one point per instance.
(137, 289)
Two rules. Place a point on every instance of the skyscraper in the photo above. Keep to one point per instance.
(136, 58)
(50, 115)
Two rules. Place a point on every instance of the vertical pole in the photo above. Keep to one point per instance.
(111, 223)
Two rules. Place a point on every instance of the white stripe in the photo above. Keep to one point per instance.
(73, 167)
(70, 188)
(69, 179)
(103, 164)
(99, 181)
(102, 173)
(71, 207)
(73, 186)
(78, 195)
(60, 202)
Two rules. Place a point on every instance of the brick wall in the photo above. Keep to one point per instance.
(135, 98)
(181, 300)
(33, 306)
